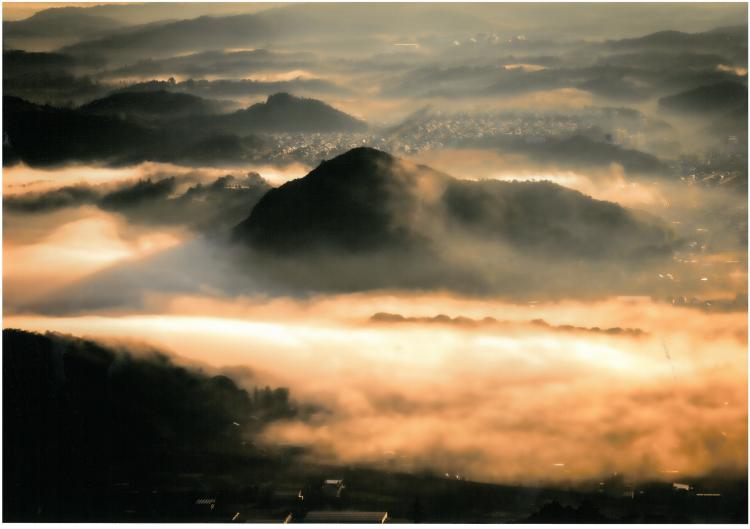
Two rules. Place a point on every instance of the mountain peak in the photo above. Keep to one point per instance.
(280, 98)
(286, 112)
(360, 159)
(366, 201)
(365, 152)
(342, 203)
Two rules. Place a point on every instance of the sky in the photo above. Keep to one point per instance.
(22, 10)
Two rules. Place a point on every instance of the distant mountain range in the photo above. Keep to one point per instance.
(731, 40)
(281, 112)
(719, 97)
(286, 113)
(149, 105)
(59, 26)
(131, 127)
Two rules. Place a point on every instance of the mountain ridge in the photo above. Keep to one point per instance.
(367, 200)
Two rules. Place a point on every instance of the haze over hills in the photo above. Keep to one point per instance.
(730, 40)
(450, 55)
(231, 64)
(149, 105)
(210, 207)
(266, 27)
(58, 27)
(229, 88)
(304, 21)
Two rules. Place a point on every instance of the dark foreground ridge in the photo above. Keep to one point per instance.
(80, 417)
(93, 433)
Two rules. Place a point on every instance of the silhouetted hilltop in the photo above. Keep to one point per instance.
(50, 77)
(126, 128)
(280, 112)
(120, 131)
(23, 62)
(43, 135)
(731, 40)
(367, 200)
(284, 112)
(155, 104)
(719, 97)
(343, 203)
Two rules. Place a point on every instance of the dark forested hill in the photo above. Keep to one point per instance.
(78, 414)
(367, 200)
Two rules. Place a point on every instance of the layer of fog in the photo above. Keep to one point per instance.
(116, 259)
(508, 405)
(302, 22)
